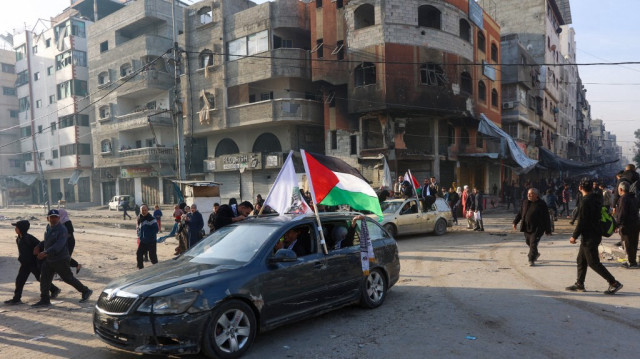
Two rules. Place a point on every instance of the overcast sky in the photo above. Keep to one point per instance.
(606, 31)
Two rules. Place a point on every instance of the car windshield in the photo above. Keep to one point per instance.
(390, 206)
(231, 244)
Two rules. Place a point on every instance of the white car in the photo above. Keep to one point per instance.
(402, 216)
(116, 202)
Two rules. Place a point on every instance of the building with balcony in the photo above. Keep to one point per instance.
(248, 92)
(54, 110)
(14, 188)
(131, 80)
(408, 80)
(539, 24)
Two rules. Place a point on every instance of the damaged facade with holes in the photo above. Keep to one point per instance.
(248, 95)
(403, 83)
(53, 114)
(131, 82)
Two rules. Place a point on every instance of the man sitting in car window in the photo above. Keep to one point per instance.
(290, 241)
(409, 207)
(342, 236)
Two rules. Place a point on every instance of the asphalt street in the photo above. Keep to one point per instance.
(464, 294)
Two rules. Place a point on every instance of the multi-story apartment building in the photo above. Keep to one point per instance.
(247, 92)
(54, 108)
(408, 80)
(568, 116)
(521, 103)
(13, 187)
(131, 79)
(538, 24)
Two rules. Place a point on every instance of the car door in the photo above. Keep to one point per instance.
(294, 289)
(408, 217)
(344, 269)
(429, 217)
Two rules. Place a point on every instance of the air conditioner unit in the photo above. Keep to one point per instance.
(49, 162)
(507, 105)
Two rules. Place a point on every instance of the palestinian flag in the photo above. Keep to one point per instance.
(334, 182)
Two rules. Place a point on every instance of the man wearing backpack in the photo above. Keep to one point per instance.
(589, 215)
(628, 223)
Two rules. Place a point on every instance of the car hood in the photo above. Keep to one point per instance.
(166, 275)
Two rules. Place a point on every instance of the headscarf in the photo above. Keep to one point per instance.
(64, 216)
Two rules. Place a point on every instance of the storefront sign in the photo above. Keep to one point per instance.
(235, 162)
(131, 172)
(488, 71)
(273, 161)
(475, 14)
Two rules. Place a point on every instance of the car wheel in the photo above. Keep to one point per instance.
(231, 331)
(391, 229)
(440, 227)
(374, 289)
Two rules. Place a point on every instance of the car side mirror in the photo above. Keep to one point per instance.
(283, 256)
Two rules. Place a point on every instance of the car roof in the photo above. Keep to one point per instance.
(288, 218)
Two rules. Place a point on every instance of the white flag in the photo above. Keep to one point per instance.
(387, 182)
(284, 196)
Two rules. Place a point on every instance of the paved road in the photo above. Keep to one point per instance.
(464, 294)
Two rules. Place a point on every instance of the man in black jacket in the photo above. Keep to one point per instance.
(588, 227)
(478, 207)
(226, 215)
(28, 261)
(55, 254)
(630, 176)
(534, 214)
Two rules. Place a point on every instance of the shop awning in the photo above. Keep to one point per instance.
(26, 179)
(488, 128)
(552, 161)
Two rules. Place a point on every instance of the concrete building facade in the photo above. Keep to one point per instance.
(247, 92)
(132, 80)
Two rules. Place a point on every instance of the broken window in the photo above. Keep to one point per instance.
(126, 70)
(364, 74)
(482, 91)
(364, 16)
(105, 111)
(105, 146)
(206, 15)
(103, 78)
(206, 58)
(432, 75)
(429, 16)
(466, 84)
(104, 46)
(465, 30)
(371, 133)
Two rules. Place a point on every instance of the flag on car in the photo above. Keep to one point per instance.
(284, 196)
(411, 179)
(387, 182)
(366, 248)
(334, 182)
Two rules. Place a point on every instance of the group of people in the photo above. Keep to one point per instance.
(46, 258)
(593, 200)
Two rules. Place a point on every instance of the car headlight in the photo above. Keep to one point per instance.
(171, 304)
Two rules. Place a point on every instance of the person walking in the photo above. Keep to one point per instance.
(212, 217)
(71, 241)
(195, 222)
(55, 253)
(454, 200)
(478, 207)
(157, 214)
(125, 208)
(628, 223)
(588, 227)
(467, 204)
(28, 262)
(536, 221)
(147, 229)
(566, 198)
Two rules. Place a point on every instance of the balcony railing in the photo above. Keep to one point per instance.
(136, 156)
(136, 120)
(275, 110)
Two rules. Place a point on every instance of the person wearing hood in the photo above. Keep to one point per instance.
(147, 232)
(28, 261)
(71, 240)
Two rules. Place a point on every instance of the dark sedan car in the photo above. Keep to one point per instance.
(236, 282)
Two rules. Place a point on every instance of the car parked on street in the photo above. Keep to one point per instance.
(216, 297)
(406, 216)
(116, 202)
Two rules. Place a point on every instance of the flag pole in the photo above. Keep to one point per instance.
(276, 181)
(415, 190)
(315, 207)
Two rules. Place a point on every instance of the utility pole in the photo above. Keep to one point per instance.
(177, 103)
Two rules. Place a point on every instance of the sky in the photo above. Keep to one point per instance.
(606, 31)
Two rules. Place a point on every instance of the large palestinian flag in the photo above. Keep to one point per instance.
(334, 182)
